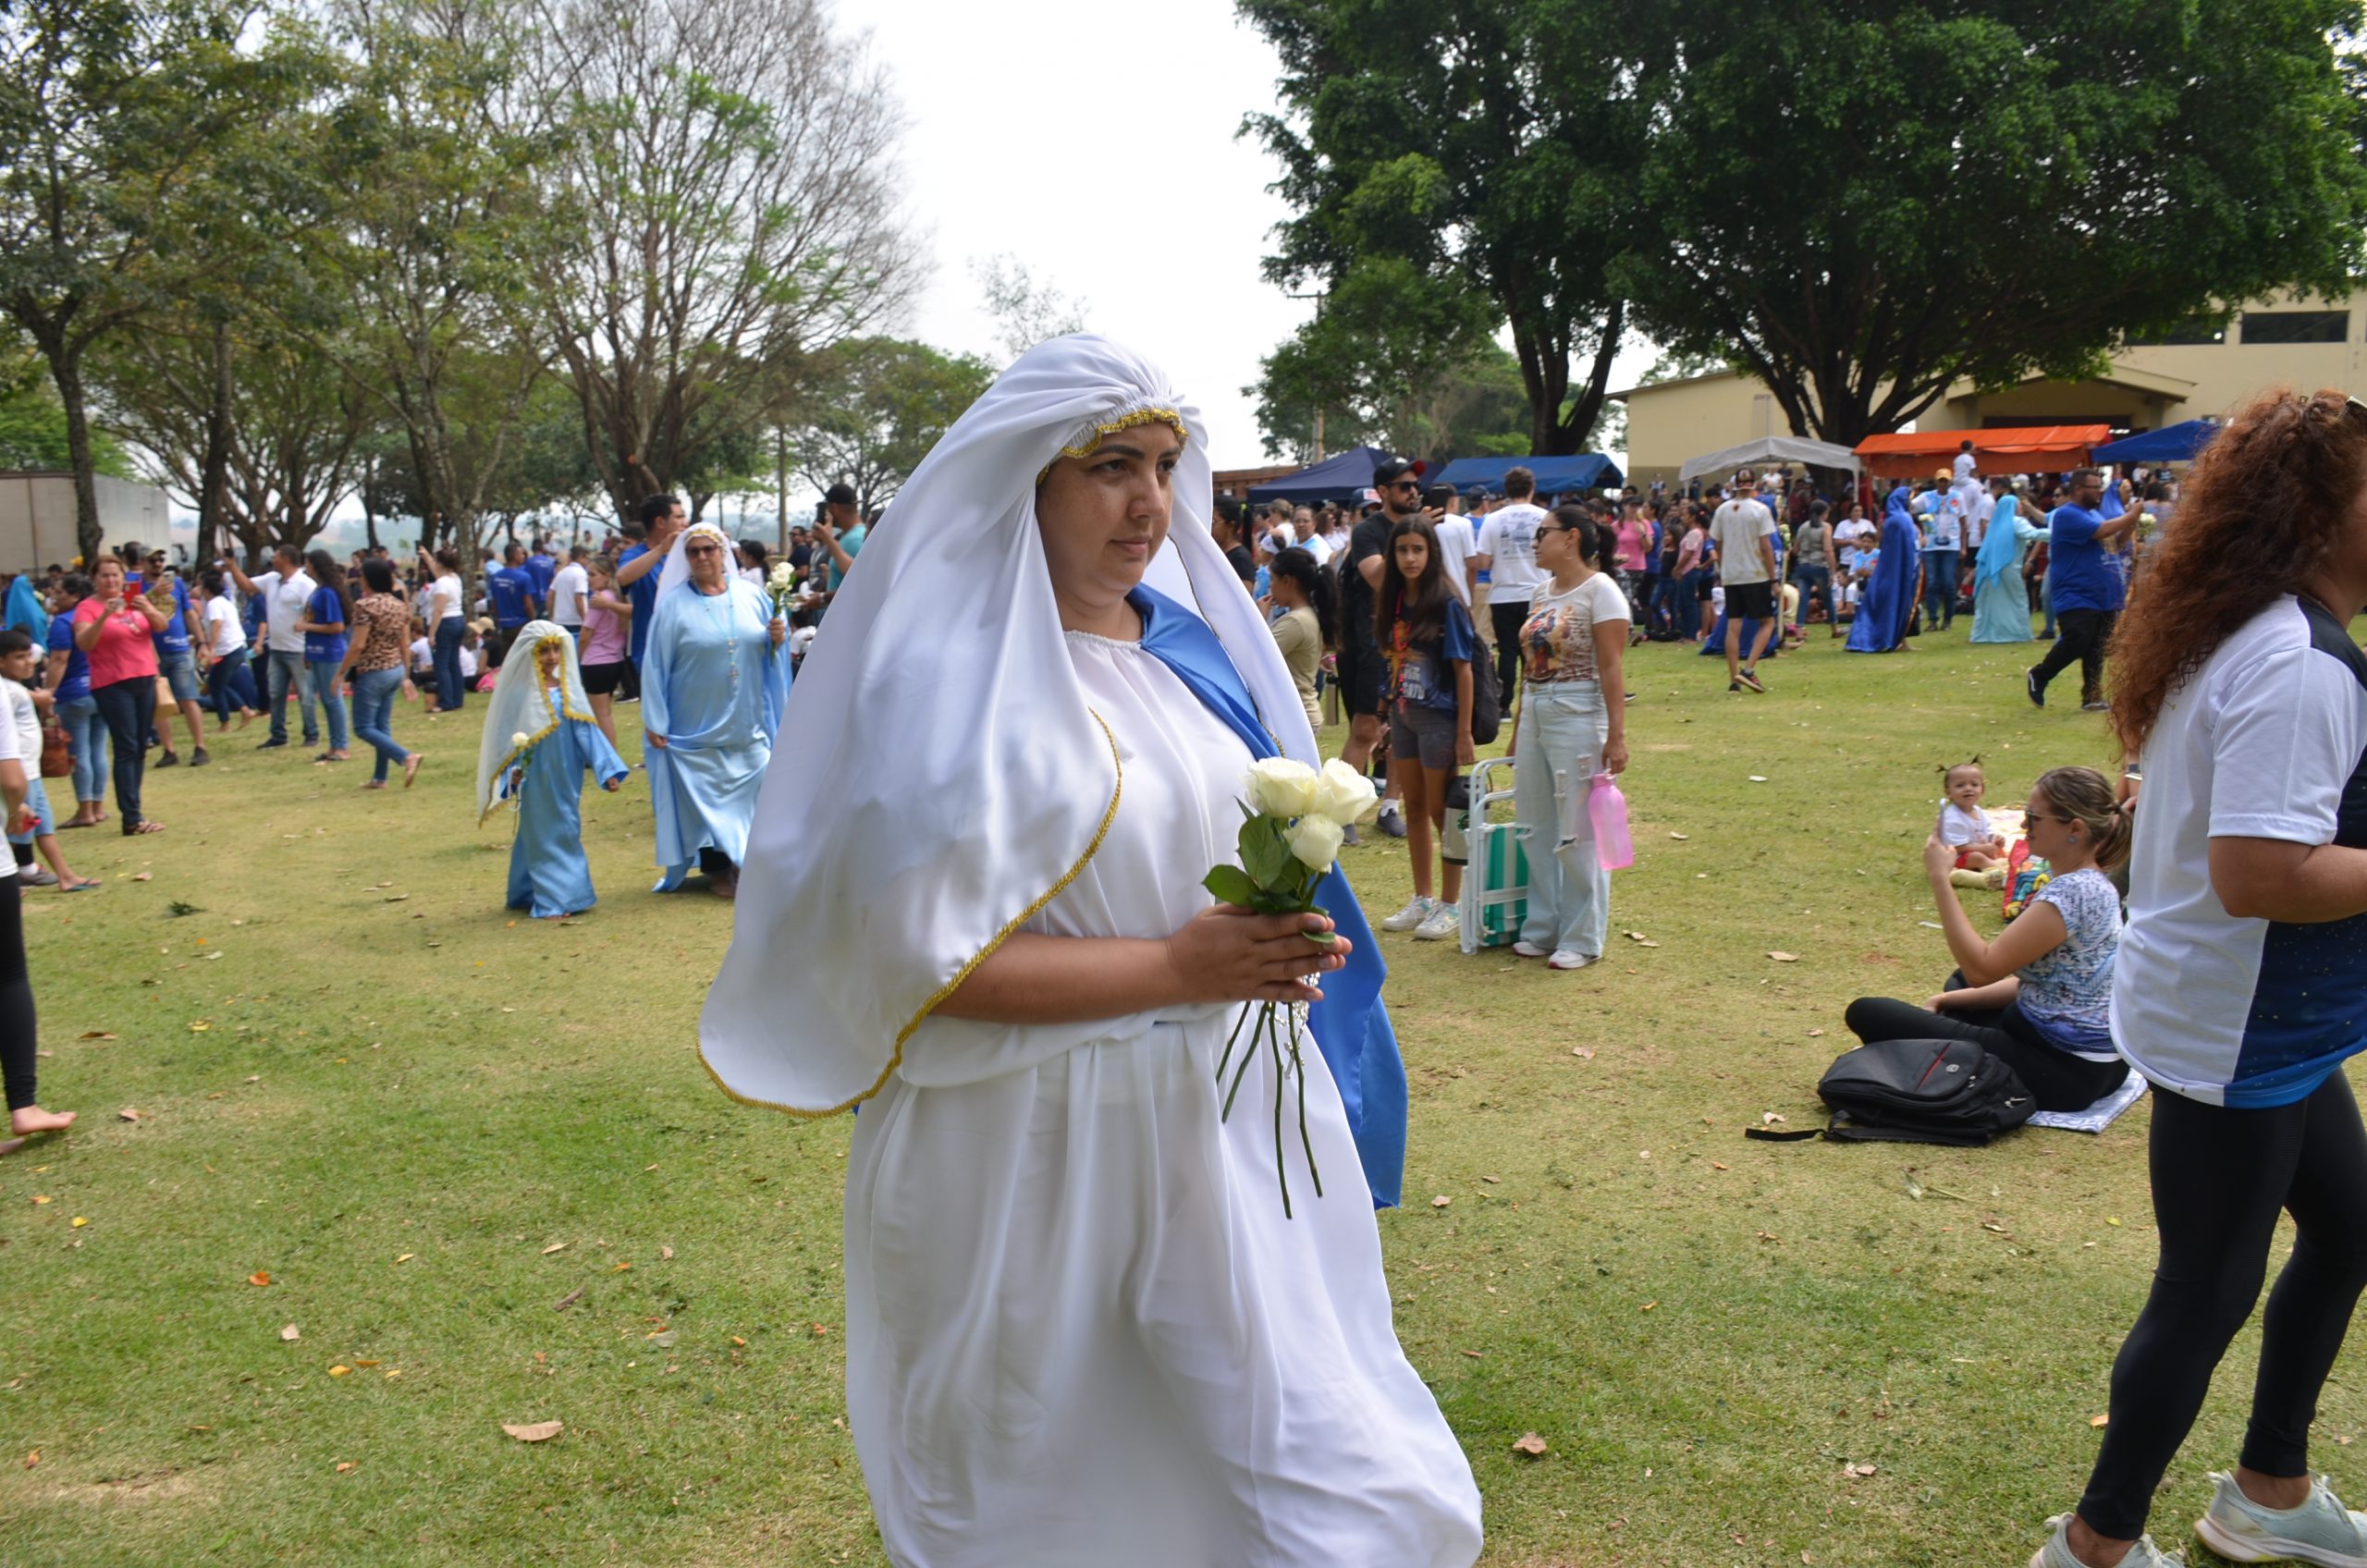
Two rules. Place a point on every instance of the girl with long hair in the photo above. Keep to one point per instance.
(2241, 986)
(323, 623)
(1301, 591)
(1427, 636)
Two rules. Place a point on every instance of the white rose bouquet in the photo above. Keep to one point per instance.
(781, 586)
(1297, 818)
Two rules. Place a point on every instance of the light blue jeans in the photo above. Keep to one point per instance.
(89, 733)
(373, 711)
(1563, 725)
(323, 678)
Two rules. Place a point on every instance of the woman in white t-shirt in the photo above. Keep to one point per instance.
(2241, 987)
(446, 624)
(1571, 724)
(229, 684)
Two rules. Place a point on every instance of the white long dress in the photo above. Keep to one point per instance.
(1080, 1333)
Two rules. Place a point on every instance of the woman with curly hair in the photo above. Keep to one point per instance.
(2240, 984)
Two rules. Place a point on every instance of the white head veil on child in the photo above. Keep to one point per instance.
(521, 706)
(947, 777)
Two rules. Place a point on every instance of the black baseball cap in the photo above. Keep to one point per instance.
(1396, 469)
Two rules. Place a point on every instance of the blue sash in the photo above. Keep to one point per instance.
(1350, 1025)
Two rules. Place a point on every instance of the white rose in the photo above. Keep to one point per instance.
(1344, 794)
(1279, 787)
(784, 576)
(1316, 841)
(517, 741)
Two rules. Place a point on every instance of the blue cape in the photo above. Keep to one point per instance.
(1887, 606)
(2001, 548)
(24, 611)
(1351, 1023)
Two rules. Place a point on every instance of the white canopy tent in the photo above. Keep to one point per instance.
(1771, 450)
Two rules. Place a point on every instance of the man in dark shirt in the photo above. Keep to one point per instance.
(1225, 525)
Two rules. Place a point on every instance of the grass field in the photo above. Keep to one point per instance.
(478, 1161)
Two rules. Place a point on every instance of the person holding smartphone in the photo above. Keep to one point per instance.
(115, 629)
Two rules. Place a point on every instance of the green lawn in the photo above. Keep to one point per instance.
(431, 1122)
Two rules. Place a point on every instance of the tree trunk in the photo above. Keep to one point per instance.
(213, 471)
(66, 368)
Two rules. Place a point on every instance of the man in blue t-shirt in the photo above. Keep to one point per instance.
(510, 594)
(2087, 593)
(661, 518)
(542, 568)
(841, 529)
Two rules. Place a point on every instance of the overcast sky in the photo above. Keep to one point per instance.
(1097, 147)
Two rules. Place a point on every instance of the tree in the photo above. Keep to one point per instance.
(874, 407)
(727, 167)
(1981, 190)
(423, 287)
(32, 423)
(1025, 313)
(1490, 145)
(128, 149)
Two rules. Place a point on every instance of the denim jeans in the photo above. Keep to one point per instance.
(1815, 581)
(230, 685)
(448, 688)
(2046, 598)
(285, 671)
(374, 712)
(130, 708)
(1563, 725)
(322, 673)
(1940, 571)
(88, 730)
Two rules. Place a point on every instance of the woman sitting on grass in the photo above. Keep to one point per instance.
(2039, 997)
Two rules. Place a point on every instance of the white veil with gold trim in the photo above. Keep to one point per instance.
(939, 775)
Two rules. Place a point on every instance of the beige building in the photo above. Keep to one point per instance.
(2286, 342)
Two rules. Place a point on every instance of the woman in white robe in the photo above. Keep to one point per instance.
(712, 686)
(1081, 1332)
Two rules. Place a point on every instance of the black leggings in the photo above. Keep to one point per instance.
(2220, 1176)
(16, 1035)
(2056, 1079)
(1506, 619)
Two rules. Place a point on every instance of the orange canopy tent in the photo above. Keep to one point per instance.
(2032, 449)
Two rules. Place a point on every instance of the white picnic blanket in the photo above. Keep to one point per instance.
(2099, 1116)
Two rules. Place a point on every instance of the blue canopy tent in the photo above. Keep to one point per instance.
(1341, 478)
(1586, 470)
(2174, 444)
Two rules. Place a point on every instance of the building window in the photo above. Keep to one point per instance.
(2199, 330)
(2296, 326)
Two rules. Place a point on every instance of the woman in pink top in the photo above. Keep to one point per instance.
(601, 648)
(113, 630)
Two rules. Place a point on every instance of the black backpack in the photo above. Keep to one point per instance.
(1923, 1092)
(1487, 708)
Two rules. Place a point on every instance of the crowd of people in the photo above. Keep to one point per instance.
(1034, 823)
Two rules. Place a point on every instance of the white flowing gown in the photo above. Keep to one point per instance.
(1080, 1333)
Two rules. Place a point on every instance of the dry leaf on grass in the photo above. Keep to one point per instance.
(407, 1258)
(258, 1278)
(1529, 1443)
(1816, 1033)
(291, 1333)
(665, 1254)
(127, 1114)
(1441, 1201)
(1857, 1469)
(568, 1300)
(2098, 1420)
(534, 1431)
(1679, 835)
(95, 1035)
(662, 1338)
(1784, 958)
(80, 1221)
(143, 875)
(340, 1371)
(555, 1246)
(343, 1466)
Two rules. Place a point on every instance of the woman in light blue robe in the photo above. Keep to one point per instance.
(2001, 602)
(540, 738)
(713, 684)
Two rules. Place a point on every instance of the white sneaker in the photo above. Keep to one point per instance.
(1405, 919)
(2056, 1552)
(2321, 1531)
(1445, 921)
(1569, 958)
(1529, 949)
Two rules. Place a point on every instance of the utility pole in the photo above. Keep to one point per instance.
(1318, 300)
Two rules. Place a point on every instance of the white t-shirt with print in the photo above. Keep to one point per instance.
(1509, 541)
(2265, 742)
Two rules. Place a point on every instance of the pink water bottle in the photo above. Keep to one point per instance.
(1607, 809)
